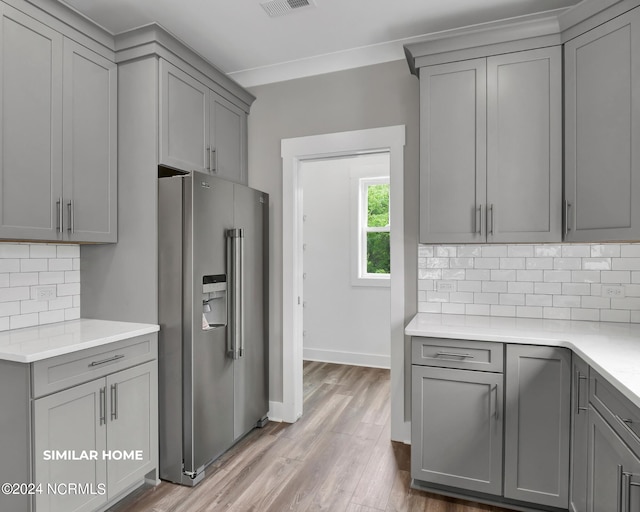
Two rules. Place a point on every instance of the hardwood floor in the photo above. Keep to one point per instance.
(336, 458)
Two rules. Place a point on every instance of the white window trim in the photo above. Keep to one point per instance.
(360, 179)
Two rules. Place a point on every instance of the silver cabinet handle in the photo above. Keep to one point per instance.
(72, 223)
(214, 159)
(114, 401)
(103, 406)
(240, 293)
(454, 354)
(104, 361)
(207, 164)
(627, 425)
(59, 215)
(567, 227)
(491, 214)
(479, 220)
(497, 413)
(579, 378)
(619, 478)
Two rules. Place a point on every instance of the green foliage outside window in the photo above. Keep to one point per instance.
(378, 242)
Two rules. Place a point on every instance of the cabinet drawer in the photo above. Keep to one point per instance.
(620, 413)
(56, 373)
(464, 354)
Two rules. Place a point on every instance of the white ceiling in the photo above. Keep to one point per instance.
(240, 39)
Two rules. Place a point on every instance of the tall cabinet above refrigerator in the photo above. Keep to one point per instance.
(213, 383)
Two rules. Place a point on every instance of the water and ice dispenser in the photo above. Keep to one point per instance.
(214, 301)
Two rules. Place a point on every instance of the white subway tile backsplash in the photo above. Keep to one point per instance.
(575, 251)
(563, 281)
(539, 263)
(68, 251)
(512, 263)
(557, 276)
(24, 268)
(547, 288)
(522, 251)
(487, 263)
(616, 277)
(567, 263)
(529, 275)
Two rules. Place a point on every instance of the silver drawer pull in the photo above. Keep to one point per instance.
(114, 358)
(627, 424)
(453, 354)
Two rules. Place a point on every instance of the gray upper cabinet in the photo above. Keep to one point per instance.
(184, 120)
(59, 156)
(456, 428)
(524, 146)
(89, 146)
(31, 134)
(453, 152)
(199, 129)
(537, 418)
(491, 149)
(228, 129)
(602, 132)
(579, 435)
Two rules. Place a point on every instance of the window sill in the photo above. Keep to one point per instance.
(379, 282)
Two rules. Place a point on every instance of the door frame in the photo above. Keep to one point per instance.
(293, 152)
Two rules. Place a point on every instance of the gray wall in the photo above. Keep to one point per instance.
(356, 99)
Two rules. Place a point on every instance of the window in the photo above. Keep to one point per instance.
(374, 252)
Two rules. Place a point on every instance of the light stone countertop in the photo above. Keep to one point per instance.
(612, 349)
(42, 342)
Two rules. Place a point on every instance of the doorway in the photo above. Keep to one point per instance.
(293, 152)
(346, 266)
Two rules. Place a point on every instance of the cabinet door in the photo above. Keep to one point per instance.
(537, 417)
(31, 128)
(456, 428)
(228, 139)
(184, 120)
(614, 470)
(602, 132)
(524, 146)
(71, 421)
(453, 152)
(132, 425)
(89, 151)
(579, 435)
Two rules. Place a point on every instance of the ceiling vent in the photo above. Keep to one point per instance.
(281, 7)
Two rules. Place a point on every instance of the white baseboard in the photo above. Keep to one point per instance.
(275, 411)
(351, 358)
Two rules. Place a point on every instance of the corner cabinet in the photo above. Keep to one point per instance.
(491, 149)
(200, 130)
(602, 132)
(58, 145)
(537, 425)
(579, 435)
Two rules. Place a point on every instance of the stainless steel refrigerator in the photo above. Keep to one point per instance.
(212, 285)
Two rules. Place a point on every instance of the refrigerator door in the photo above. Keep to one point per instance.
(208, 371)
(250, 369)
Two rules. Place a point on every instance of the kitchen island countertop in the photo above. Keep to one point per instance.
(612, 349)
(42, 342)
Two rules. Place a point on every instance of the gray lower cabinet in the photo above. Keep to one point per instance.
(59, 153)
(456, 437)
(602, 132)
(113, 415)
(579, 435)
(537, 419)
(491, 149)
(614, 469)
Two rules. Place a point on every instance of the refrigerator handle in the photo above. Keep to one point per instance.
(235, 338)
